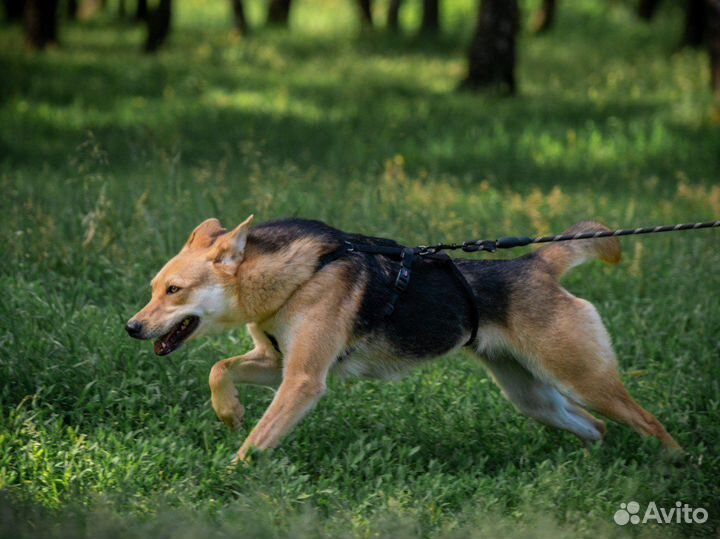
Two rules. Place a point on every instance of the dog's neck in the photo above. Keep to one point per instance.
(266, 280)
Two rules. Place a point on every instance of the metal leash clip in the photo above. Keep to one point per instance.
(480, 245)
(423, 250)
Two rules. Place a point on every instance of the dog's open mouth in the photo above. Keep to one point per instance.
(172, 340)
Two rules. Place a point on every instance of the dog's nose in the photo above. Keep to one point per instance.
(134, 329)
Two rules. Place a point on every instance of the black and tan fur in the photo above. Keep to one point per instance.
(547, 350)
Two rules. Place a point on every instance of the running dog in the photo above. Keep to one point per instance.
(310, 312)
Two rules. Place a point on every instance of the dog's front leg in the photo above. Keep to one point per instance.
(292, 401)
(307, 364)
(317, 325)
(261, 366)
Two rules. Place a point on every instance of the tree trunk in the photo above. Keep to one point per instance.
(141, 11)
(393, 15)
(647, 9)
(491, 57)
(14, 10)
(430, 17)
(544, 18)
(713, 12)
(366, 13)
(695, 23)
(122, 10)
(41, 23)
(158, 24)
(72, 9)
(239, 19)
(278, 12)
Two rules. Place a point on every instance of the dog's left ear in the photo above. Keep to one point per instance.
(204, 234)
(229, 250)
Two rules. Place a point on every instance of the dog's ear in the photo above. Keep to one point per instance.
(204, 234)
(229, 250)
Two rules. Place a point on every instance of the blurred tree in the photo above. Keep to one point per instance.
(278, 12)
(72, 9)
(713, 10)
(122, 9)
(544, 17)
(239, 18)
(431, 17)
(40, 20)
(695, 23)
(158, 25)
(141, 11)
(491, 58)
(647, 9)
(702, 26)
(393, 15)
(13, 9)
(366, 13)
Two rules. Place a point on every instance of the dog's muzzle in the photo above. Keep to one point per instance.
(134, 329)
(173, 339)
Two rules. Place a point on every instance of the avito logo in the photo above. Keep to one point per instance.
(681, 513)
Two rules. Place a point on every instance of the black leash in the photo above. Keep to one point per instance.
(521, 241)
(407, 255)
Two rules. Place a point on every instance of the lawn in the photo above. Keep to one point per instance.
(109, 158)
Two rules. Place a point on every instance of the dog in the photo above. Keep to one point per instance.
(546, 349)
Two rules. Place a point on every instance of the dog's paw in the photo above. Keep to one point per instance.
(236, 461)
(234, 418)
(242, 458)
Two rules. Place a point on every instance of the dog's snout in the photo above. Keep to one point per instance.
(134, 329)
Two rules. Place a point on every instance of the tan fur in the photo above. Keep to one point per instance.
(562, 256)
(261, 366)
(561, 341)
(313, 333)
(268, 280)
(553, 358)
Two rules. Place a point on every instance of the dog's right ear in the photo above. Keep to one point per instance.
(204, 234)
(229, 252)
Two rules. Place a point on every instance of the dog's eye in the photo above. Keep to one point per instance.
(172, 289)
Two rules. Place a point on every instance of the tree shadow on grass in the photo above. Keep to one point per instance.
(355, 129)
(208, 98)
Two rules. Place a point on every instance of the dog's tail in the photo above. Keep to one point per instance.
(562, 256)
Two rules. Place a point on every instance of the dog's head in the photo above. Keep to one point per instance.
(194, 293)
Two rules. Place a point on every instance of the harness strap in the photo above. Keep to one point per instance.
(332, 256)
(402, 280)
(469, 295)
(407, 256)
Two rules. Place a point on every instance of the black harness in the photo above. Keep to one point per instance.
(406, 256)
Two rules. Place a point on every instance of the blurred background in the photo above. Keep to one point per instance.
(124, 123)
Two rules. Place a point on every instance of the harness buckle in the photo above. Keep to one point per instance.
(403, 279)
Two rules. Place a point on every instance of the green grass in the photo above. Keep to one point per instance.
(108, 158)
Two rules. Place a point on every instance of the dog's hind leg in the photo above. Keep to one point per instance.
(261, 366)
(574, 352)
(541, 401)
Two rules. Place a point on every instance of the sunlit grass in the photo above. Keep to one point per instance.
(108, 158)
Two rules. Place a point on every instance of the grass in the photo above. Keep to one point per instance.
(108, 159)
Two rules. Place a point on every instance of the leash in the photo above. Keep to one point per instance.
(520, 241)
(408, 255)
